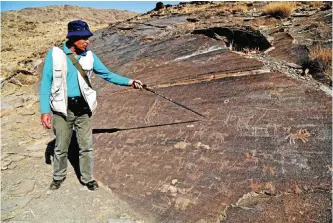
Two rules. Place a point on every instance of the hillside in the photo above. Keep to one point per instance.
(27, 34)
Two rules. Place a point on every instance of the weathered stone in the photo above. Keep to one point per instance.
(26, 79)
(15, 158)
(35, 136)
(5, 164)
(300, 14)
(24, 142)
(35, 154)
(37, 147)
(16, 203)
(27, 113)
(5, 112)
(24, 188)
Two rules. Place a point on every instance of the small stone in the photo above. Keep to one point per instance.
(299, 14)
(27, 112)
(131, 141)
(37, 147)
(16, 203)
(287, 23)
(5, 112)
(293, 65)
(35, 154)
(269, 50)
(174, 181)
(24, 142)
(35, 136)
(24, 188)
(12, 166)
(45, 140)
(5, 164)
(16, 158)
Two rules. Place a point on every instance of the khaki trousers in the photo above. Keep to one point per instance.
(63, 130)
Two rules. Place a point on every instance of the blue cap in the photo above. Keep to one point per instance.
(78, 28)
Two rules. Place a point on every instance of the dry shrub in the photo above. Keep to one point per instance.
(269, 22)
(279, 9)
(324, 56)
(239, 8)
(224, 9)
(316, 4)
(319, 64)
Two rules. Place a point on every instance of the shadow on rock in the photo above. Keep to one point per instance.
(73, 154)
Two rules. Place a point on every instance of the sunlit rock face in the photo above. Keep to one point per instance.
(262, 154)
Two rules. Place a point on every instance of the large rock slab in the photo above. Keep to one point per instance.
(265, 145)
(265, 133)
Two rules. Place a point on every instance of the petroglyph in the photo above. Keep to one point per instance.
(153, 111)
(269, 170)
(243, 123)
(217, 137)
(301, 134)
(181, 145)
(201, 145)
(181, 203)
(159, 209)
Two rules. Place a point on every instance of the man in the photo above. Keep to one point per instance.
(67, 93)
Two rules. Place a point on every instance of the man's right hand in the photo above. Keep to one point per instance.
(46, 120)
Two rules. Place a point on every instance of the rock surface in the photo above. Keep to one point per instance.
(264, 132)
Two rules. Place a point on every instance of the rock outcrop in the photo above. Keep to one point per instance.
(267, 126)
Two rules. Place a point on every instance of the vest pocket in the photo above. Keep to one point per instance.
(55, 94)
(57, 73)
(88, 91)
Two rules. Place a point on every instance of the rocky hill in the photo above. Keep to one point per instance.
(260, 75)
(27, 34)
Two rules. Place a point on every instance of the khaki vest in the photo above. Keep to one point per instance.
(58, 98)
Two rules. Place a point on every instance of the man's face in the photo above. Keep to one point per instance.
(81, 43)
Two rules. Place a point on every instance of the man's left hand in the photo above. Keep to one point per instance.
(136, 84)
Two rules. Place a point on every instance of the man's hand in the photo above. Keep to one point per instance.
(136, 84)
(46, 120)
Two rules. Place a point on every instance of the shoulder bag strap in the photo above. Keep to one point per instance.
(79, 68)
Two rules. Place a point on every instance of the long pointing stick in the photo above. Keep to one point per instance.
(177, 103)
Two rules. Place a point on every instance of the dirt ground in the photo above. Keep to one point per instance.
(26, 176)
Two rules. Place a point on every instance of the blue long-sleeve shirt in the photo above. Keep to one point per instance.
(73, 88)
